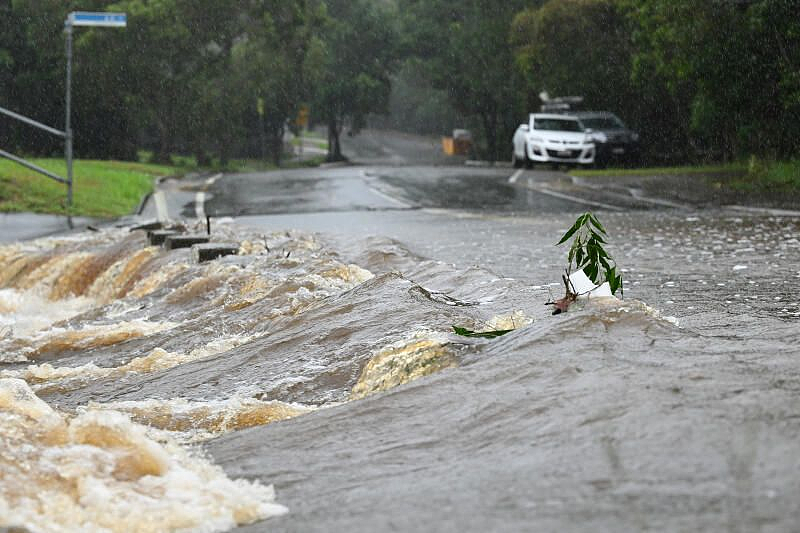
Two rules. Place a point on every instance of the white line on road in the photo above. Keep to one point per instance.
(161, 206)
(200, 197)
(367, 179)
(385, 196)
(210, 181)
(515, 176)
(199, 205)
(575, 199)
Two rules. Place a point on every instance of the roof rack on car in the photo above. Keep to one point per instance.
(559, 104)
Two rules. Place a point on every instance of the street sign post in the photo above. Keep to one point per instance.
(81, 18)
(302, 122)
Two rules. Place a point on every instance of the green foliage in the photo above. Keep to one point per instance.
(781, 177)
(588, 254)
(726, 168)
(728, 70)
(101, 188)
(464, 332)
(715, 80)
(417, 107)
(462, 49)
(353, 57)
(577, 47)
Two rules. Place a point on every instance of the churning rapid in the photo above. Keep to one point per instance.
(130, 372)
(105, 312)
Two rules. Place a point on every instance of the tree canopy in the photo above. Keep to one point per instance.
(709, 80)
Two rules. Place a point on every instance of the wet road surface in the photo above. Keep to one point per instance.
(321, 358)
(612, 422)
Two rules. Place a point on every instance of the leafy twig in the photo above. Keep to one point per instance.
(588, 254)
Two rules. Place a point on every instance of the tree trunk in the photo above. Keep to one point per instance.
(489, 119)
(277, 146)
(334, 148)
(164, 151)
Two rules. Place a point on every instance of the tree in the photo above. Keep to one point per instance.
(729, 68)
(33, 72)
(354, 58)
(464, 49)
(270, 65)
(576, 47)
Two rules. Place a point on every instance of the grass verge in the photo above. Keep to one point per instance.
(770, 176)
(753, 176)
(101, 188)
(657, 171)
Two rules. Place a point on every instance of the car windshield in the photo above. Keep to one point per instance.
(602, 123)
(556, 124)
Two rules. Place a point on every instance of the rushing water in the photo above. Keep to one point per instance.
(129, 373)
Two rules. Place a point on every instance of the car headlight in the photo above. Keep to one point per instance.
(536, 139)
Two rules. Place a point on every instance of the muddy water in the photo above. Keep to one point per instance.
(325, 365)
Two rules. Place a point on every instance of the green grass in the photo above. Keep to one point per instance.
(187, 163)
(775, 176)
(100, 189)
(755, 175)
(308, 140)
(258, 165)
(765, 177)
(655, 171)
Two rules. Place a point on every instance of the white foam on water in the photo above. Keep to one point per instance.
(190, 421)
(26, 312)
(101, 472)
(46, 374)
(515, 320)
(418, 354)
(59, 339)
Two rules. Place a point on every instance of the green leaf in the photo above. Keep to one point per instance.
(612, 283)
(591, 273)
(578, 223)
(596, 223)
(464, 332)
(579, 255)
(597, 237)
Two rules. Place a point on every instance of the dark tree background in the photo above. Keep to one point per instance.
(217, 79)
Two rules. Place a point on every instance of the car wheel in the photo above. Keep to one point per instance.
(514, 161)
(528, 161)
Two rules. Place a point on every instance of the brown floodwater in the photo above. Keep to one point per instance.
(140, 391)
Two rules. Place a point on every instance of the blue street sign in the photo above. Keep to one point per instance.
(85, 18)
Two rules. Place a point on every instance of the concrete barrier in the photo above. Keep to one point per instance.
(148, 226)
(157, 237)
(213, 250)
(173, 242)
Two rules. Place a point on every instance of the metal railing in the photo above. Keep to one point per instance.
(76, 18)
(36, 168)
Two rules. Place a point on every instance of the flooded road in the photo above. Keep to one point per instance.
(137, 384)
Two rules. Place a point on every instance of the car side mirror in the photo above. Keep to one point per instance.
(589, 130)
(524, 127)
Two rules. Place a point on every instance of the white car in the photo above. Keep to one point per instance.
(554, 139)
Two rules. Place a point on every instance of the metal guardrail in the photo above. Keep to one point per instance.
(27, 164)
(76, 18)
(32, 166)
(32, 122)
